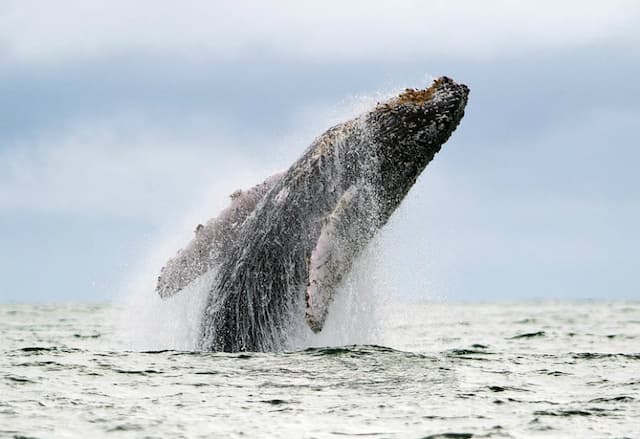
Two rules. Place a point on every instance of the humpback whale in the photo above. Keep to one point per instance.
(278, 253)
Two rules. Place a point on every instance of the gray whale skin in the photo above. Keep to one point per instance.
(277, 254)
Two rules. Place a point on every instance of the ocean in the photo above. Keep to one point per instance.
(430, 370)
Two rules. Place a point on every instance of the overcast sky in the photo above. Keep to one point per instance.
(124, 124)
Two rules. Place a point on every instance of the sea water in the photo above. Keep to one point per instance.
(435, 370)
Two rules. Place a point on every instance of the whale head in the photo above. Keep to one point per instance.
(418, 121)
(409, 130)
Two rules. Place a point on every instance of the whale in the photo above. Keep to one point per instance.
(277, 255)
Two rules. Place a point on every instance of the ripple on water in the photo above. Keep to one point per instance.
(64, 372)
(604, 356)
(449, 436)
(528, 335)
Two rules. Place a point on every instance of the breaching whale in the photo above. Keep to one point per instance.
(278, 253)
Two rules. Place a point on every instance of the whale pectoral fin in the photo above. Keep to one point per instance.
(211, 240)
(344, 233)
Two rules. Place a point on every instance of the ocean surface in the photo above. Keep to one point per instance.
(431, 370)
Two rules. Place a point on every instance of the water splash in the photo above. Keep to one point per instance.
(151, 323)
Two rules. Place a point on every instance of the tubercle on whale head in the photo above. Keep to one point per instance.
(441, 85)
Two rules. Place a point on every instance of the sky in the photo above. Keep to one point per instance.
(125, 124)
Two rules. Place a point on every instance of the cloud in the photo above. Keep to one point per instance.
(146, 115)
(121, 170)
(315, 31)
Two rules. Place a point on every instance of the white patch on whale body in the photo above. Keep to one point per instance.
(282, 195)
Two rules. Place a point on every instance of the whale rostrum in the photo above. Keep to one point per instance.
(278, 253)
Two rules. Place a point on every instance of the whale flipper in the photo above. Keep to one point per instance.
(341, 237)
(211, 241)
